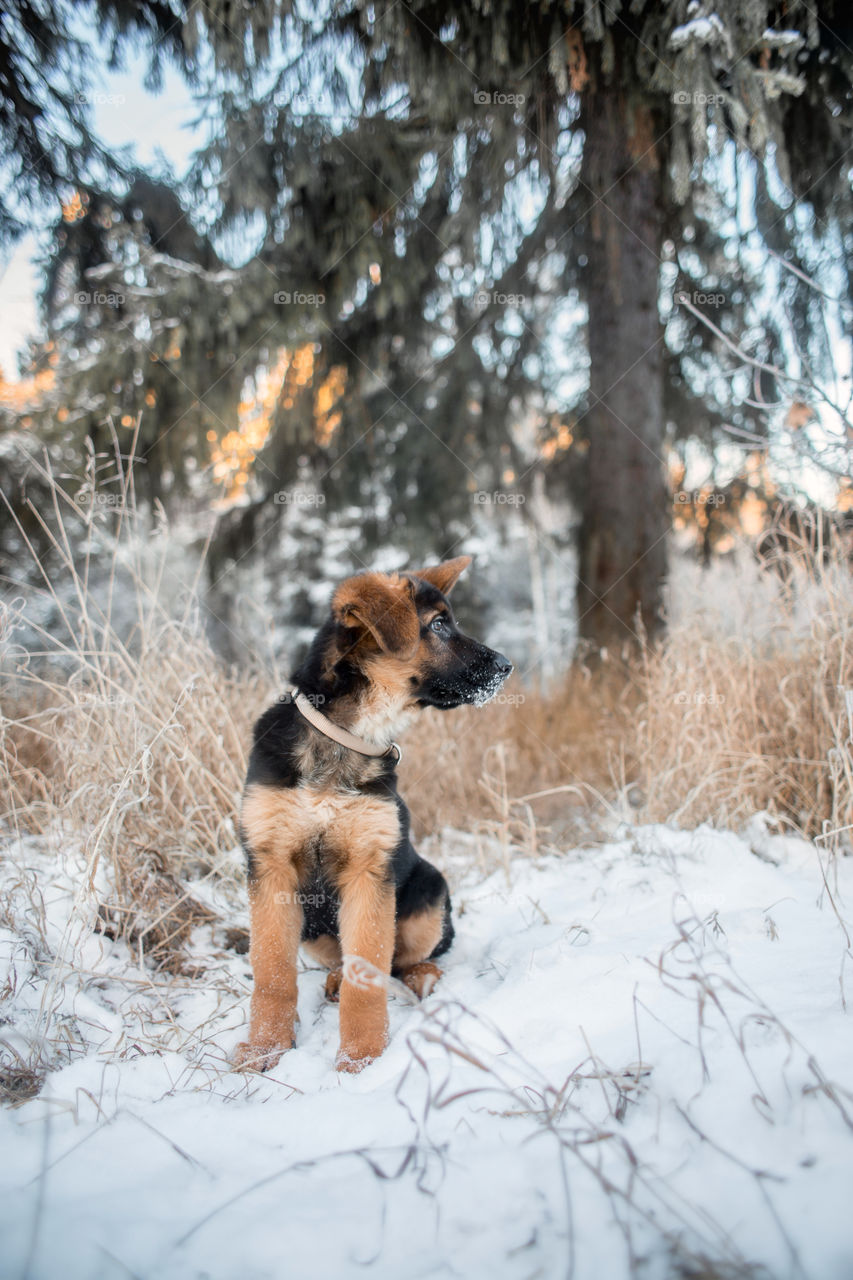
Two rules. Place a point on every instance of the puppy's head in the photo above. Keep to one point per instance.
(399, 631)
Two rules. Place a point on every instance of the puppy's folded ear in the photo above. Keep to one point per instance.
(384, 606)
(444, 575)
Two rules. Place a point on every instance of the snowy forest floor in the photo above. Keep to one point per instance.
(637, 1064)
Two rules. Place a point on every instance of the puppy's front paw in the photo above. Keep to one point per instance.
(257, 1056)
(356, 1054)
(345, 1062)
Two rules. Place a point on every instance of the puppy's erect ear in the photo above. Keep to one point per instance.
(384, 606)
(444, 575)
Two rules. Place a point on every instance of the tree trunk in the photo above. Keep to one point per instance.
(625, 518)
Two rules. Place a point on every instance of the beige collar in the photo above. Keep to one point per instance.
(339, 734)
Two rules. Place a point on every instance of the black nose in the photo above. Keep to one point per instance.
(503, 664)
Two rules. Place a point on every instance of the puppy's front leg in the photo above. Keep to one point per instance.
(366, 922)
(276, 927)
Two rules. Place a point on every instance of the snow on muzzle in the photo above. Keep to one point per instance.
(494, 675)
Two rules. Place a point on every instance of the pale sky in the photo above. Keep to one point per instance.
(123, 113)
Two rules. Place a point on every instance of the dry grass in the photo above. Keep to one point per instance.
(528, 767)
(746, 707)
(135, 743)
(754, 714)
(133, 740)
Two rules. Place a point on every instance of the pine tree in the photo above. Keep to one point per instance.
(46, 139)
(660, 91)
(437, 189)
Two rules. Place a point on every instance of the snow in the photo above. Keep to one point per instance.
(637, 1058)
(781, 39)
(704, 30)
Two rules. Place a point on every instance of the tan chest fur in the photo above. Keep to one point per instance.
(351, 833)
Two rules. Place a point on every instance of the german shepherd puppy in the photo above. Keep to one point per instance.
(326, 835)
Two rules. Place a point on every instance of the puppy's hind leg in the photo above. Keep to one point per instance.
(326, 950)
(424, 928)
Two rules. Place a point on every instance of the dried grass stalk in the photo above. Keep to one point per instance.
(731, 723)
(133, 740)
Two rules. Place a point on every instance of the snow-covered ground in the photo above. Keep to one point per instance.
(639, 1062)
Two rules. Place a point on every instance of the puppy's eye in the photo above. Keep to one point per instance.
(438, 623)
